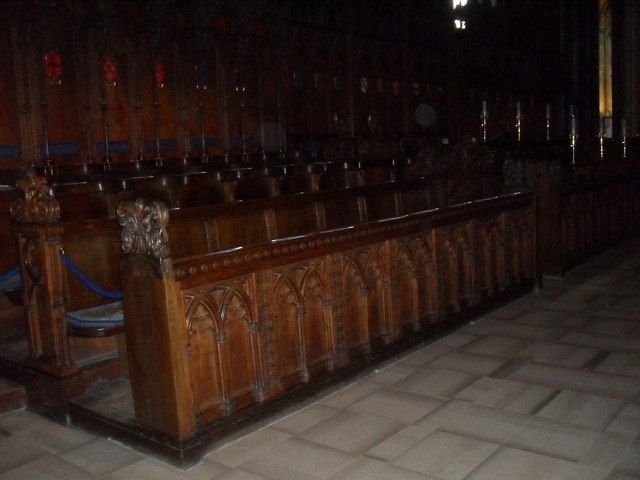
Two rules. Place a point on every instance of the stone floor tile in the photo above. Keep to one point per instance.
(610, 451)
(147, 469)
(52, 436)
(483, 423)
(400, 442)
(555, 439)
(436, 382)
(351, 432)
(627, 421)
(457, 339)
(622, 476)
(49, 467)
(426, 355)
(496, 345)
(400, 405)
(100, 456)
(580, 380)
(351, 394)
(207, 470)
(582, 409)
(365, 468)
(446, 455)
(485, 325)
(248, 447)
(15, 452)
(610, 326)
(235, 474)
(630, 461)
(468, 362)
(306, 418)
(560, 355)
(582, 294)
(507, 395)
(392, 373)
(511, 464)
(506, 312)
(298, 459)
(620, 363)
(529, 332)
(540, 317)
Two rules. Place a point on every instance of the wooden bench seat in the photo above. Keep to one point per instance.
(10, 281)
(101, 320)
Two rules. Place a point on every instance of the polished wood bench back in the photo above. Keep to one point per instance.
(214, 333)
(91, 239)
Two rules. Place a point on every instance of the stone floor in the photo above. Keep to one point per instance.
(545, 388)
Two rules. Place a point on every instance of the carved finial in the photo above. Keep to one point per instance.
(143, 230)
(33, 202)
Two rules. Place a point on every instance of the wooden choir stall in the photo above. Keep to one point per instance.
(213, 212)
(235, 310)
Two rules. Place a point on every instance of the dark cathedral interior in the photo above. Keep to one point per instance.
(216, 212)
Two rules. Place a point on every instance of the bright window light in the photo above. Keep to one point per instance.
(459, 3)
(460, 24)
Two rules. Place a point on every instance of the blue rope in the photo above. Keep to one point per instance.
(92, 286)
(9, 275)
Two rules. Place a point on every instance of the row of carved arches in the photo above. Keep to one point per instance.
(257, 335)
(591, 219)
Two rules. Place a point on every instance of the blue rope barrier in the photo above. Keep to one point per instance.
(92, 286)
(9, 275)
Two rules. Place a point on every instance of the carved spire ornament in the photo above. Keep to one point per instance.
(33, 201)
(143, 225)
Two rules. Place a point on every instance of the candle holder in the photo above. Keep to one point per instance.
(518, 122)
(601, 136)
(483, 121)
(573, 136)
(623, 128)
(548, 122)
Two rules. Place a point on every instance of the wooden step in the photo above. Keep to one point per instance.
(12, 397)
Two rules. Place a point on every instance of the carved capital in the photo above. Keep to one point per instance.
(143, 230)
(33, 202)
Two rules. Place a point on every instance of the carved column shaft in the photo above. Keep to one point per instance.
(35, 223)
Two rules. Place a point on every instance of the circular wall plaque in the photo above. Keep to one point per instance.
(425, 115)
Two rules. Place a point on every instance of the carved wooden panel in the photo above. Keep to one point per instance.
(355, 307)
(424, 252)
(302, 332)
(404, 288)
(490, 256)
(520, 247)
(367, 269)
(456, 267)
(224, 352)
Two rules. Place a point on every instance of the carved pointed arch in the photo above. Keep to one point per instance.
(201, 309)
(490, 256)
(202, 316)
(404, 288)
(379, 326)
(355, 307)
(234, 300)
(456, 262)
(427, 279)
(287, 307)
(317, 327)
(233, 358)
